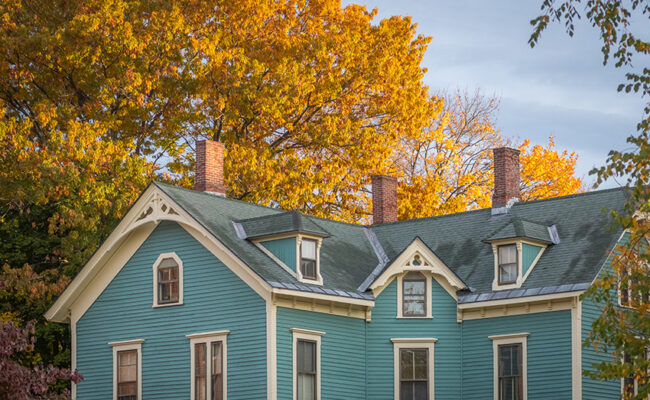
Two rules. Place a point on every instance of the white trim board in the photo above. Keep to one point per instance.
(126, 238)
(429, 263)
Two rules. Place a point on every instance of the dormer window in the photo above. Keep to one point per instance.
(308, 259)
(508, 264)
(168, 280)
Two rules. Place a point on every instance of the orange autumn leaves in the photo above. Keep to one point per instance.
(448, 169)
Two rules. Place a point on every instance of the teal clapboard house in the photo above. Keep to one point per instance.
(196, 296)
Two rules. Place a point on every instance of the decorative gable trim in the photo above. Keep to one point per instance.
(145, 214)
(419, 257)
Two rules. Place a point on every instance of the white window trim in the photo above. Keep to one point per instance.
(314, 336)
(514, 338)
(427, 297)
(207, 338)
(521, 278)
(413, 343)
(135, 344)
(319, 277)
(155, 280)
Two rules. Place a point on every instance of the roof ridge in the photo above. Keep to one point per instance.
(514, 205)
(219, 197)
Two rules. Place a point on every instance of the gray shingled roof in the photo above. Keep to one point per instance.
(520, 228)
(348, 258)
(586, 235)
(286, 222)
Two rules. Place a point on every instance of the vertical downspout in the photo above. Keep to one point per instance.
(461, 360)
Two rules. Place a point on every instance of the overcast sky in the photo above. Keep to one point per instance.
(558, 88)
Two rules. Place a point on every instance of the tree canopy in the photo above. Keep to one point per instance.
(98, 97)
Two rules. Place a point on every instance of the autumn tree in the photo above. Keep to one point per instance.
(450, 168)
(22, 375)
(99, 97)
(623, 332)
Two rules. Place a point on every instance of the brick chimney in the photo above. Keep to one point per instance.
(384, 199)
(209, 167)
(506, 176)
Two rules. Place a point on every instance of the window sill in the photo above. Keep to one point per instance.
(422, 317)
(166, 305)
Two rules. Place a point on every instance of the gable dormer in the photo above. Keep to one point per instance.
(517, 246)
(291, 239)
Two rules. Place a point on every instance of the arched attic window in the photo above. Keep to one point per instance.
(168, 280)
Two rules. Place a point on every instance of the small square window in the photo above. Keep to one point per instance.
(508, 264)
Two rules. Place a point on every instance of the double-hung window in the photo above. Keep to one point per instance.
(208, 357)
(413, 368)
(306, 364)
(308, 259)
(508, 264)
(127, 370)
(306, 369)
(510, 366)
(414, 286)
(510, 372)
(414, 374)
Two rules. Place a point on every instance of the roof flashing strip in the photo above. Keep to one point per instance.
(381, 256)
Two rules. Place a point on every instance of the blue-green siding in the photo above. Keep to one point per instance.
(549, 354)
(528, 254)
(593, 388)
(214, 299)
(284, 249)
(385, 326)
(342, 351)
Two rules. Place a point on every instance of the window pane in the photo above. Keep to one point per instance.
(200, 370)
(308, 249)
(414, 287)
(421, 390)
(507, 273)
(308, 268)
(508, 254)
(406, 364)
(216, 380)
(167, 262)
(420, 366)
(306, 356)
(306, 387)
(127, 366)
(413, 296)
(406, 390)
